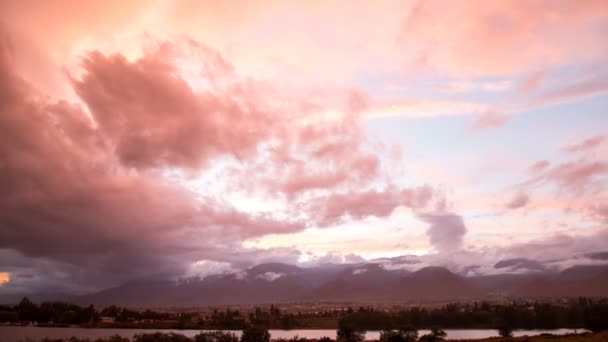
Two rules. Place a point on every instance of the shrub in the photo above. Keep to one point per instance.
(348, 333)
(255, 334)
(161, 337)
(408, 334)
(215, 336)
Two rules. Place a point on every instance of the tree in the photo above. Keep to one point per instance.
(255, 334)
(348, 333)
(407, 334)
(117, 338)
(161, 337)
(596, 318)
(27, 310)
(505, 331)
(215, 336)
(436, 334)
(8, 316)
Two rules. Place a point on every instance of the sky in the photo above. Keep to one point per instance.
(184, 138)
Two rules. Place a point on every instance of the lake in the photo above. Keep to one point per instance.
(16, 334)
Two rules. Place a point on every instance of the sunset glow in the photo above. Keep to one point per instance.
(5, 277)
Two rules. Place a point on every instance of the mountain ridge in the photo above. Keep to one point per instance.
(361, 282)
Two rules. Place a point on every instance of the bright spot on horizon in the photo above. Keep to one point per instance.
(5, 277)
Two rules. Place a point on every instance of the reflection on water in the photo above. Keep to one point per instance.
(16, 334)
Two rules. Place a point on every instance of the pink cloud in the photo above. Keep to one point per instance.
(95, 180)
(601, 212)
(332, 41)
(585, 145)
(86, 179)
(496, 38)
(539, 166)
(570, 92)
(490, 119)
(336, 207)
(520, 200)
(156, 119)
(576, 176)
(90, 166)
(532, 81)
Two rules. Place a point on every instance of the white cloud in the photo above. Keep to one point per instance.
(270, 276)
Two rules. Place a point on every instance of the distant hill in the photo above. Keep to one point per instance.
(588, 281)
(271, 283)
(437, 283)
(362, 282)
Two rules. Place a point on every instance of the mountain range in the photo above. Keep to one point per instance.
(377, 281)
(367, 282)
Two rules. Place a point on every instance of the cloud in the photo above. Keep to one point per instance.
(332, 209)
(93, 182)
(585, 145)
(533, 81)
(592, 86)
(155, 119)
(559, 246)
(539, 166)
(601, 212)
(202, 268)
(323, 42)
(520, 200)
(270, 276)
(576, 176)
(334, 258)
(598, 255)
(359, 271)
(86, 160)
(490, 119)
(93, 176)
(446, 231)
(469, 86)
(423, 108)
(520, 264)
(544, 34)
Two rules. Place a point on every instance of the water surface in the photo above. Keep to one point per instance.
(16, 334)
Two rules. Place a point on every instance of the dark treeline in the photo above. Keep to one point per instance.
(66, 314)
(577, 313)
(580, 313)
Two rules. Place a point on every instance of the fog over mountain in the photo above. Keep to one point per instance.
(367, 282)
